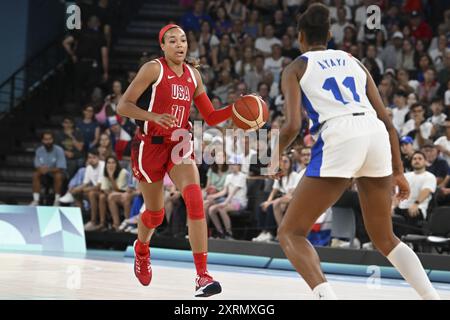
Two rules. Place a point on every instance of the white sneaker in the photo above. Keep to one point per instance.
(56, 203)
(264, 237)
(67, 198)
(257, 237)
(34, 203)
(367, 246)
(90, 226)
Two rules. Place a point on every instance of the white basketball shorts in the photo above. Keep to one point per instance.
(351, 146)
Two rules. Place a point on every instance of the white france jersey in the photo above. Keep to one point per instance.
(333, 85)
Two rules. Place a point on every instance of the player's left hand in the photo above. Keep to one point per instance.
(403, 186)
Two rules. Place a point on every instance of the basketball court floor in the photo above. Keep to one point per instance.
(108, 275)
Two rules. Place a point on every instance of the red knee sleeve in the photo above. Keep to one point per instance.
(192, 195)
(152, 219)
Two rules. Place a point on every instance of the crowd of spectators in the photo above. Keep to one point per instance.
(242, 47)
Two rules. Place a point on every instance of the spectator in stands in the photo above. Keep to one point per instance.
(264, 44)
(253, 27)
(109, 107)
(222, 24)
(407, 151)
(192, 20)
(420, 28)
(423, 64)
(120, 139)
(106, 17)
(277, 201)
(274, 63)
(279, 23)
(255, 75)
(244, 65)
(88, 50)
(217, 174)
(371, 53)
(222, 51)
(435, 164)
(337, 28)
(235, 191)
(226, 83)
(417, 127)
(438, 118)
(89, 127)
(404, 83)
(400, 110)
(301, 156)
(105, 147)
(49, 163)
(406, 60)
(117, 199)
(413, 210)
(236, 10)
(207, 40)
(287, 49)
(443, 142)
(437, 55)
(90, 181)
(114, 179)
(391, 54)
(194, 47)
(72, 142)
(429, 87)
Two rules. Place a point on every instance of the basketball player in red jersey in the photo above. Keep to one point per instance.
(159, 98)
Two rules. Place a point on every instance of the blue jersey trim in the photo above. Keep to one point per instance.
(313, 169)
(312, 114)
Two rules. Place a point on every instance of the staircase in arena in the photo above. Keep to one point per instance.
(141, 34)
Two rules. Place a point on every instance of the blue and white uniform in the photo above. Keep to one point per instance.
(350, 140)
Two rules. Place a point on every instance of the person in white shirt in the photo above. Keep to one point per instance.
(235, 190)
(337, 29)
(443, 143)
(278, 200)
(417, 126)
(274, 63)
(400, 110)
(414, 209)
(264, 44)
(438, 118)
(91, 179)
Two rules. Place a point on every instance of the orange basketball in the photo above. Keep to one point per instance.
(250, 112)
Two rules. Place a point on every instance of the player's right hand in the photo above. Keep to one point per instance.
(403, 186)
(165, 120)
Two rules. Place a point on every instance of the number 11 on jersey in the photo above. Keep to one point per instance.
(178, 111)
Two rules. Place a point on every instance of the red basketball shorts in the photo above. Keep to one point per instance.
(152, 159)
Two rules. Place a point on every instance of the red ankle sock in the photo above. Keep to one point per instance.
(142, 248)
(200, 262)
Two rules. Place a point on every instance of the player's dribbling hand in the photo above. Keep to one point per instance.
(403, 186)
(165, 120)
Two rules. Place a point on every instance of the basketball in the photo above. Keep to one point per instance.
(250, 112)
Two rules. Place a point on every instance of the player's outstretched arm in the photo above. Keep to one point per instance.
(127, 105)
(204, 105)
(378, 105)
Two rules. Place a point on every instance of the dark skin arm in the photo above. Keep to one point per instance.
(397, 165)
(292, 101)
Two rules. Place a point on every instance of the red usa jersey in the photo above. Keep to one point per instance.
(168, 94)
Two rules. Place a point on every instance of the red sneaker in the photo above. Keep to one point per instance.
(206, 286)
(142, 268)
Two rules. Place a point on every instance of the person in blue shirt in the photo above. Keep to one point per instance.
(89, 128)
(193, 19)
(49, 161)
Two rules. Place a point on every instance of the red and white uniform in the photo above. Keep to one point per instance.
(168, 94)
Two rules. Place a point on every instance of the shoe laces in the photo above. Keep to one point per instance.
(143, 264)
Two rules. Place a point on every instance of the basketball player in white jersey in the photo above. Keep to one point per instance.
(354, 139)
